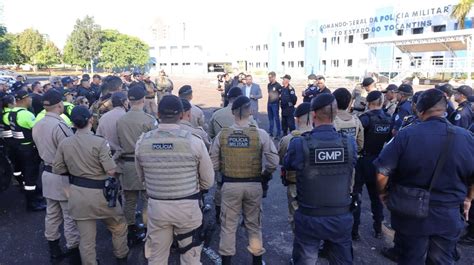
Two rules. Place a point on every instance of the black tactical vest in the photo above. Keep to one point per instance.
(324, 184)
(377, 134)
(22, 135)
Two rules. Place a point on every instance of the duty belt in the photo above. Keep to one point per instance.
(230, 179)
(48, 168)
(324, 211)
(196, 196)
(87, 183)
(128, 158)
(150, 97)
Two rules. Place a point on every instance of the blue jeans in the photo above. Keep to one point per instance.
(273, 110)
(311, 230)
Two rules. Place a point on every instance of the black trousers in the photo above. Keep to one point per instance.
(287, 124)
(28, 160)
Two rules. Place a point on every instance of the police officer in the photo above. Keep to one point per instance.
(165, 85)
(463, 115)
(359, 95)
(110, 84)
(313, 88)
(68, 84)
(150, 98)
(129, 128)
(288, 102)
(324, 161)
(68, 98)
(197, 116)
(410, 160)
(85, 90)
(273, 104)
(448, 91)
(412, 119)
(6, 170)
(186, 125)
(404, 92)
(344, 121)
(26, 155)
(87, 202)
(9, 103)
(237, 152)
(390, 99)
(304, 124)
(47, 134)
(376, 124)
(108, 122)
(175, 167)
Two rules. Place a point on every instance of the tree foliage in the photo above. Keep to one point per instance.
(48, 56)
(9, 50)
(85, 39)
(460, 11)
(71, 56)
(30, 42)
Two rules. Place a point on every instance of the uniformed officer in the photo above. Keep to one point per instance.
(287, 103)
(237, 152)
(197, 116)
(110, 84)
(304, 124)
(26, 155)
(273, 104)
(108, 122)
(175, 166)
(313, 89)
(390, 99)
(68, 84)
(88, 175)
(68, 98)
(448, 91)
(376, 124)
(150, 99)
(165, 85)
(9, 104)
(359, 95)
(463, 115)
(47, 134)
(324, 161)
(410, 160)
(404, 92)
(185, 123)
(346, 122)
(129, 128)
(6, 170)
(412, 119)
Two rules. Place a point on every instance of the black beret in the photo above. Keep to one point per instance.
(391, 87)
(368, 81)
(186, 104)
(234, 92)
(302, 109)
(136, 92)
(416, 96)
(21, 94)
(241, 101)
(343, 97)
(446, 88)
(80, 115)
(118, 98)
(428, 99)
(66, 80)
(465, 90)
(373, 95)
(52, 97)
(86, 77)
(321, 101)
(185, 90)
(405, 88)
(170, 105)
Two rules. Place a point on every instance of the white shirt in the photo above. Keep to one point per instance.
(247, 91)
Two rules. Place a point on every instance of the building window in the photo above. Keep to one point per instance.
(399, 32)
(301, 44)
(250, 64)
(416, 61)
(174, 64)
(351, 39)
(282, 63)
(325, 43)
(186, 63)
(257, 48)
(265, 47)
(257, 65)
(251, 47)
(291, 44)
(437, 60)
(333, 40)
(163, 64)
(265, 64)
(417, 31)
(283, 44)
(398, 61)
(335, 63)
(349, 63)
(300, 64)
(439, 28)
(291, 64)
(365, 36)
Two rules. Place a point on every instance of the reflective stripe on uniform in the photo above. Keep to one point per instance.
(7, 134)
(16, 174)
(18, 135)
(29, 188)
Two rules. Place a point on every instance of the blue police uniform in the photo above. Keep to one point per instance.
(288, 102)
(403, 109)
(462, 117)
(312, 91)
(324, 202)
(437, 234)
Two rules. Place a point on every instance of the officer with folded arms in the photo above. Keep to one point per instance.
(403, 109)
(324, 162)
(432, 160)
(463, 114)
(48, 133)
(237, 152)
(88, 161)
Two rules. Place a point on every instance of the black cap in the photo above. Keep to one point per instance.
(416, 96)
(465, 90)
(302, 109)
(405, 88)
(368, 81)
(186, 104)
(21, 94)
(234, 92)
(118, 98)
(312, 77)
(241, 101)
(80, 115)
(136, 92)
(136, 73)
(391, 87)
(185, 90)
(170, 105)
(428, 99)
(66, 80)
(373, 95)
(286, 77)
(446, 88)
(52, 97)
(321, 101)
(66, 92)
(8, 99)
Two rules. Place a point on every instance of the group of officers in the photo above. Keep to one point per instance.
(340, 141)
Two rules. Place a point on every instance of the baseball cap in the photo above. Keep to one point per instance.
(391, 87)
(66, 80)
(405, 88)
(21, 94)
(286, 77)
(136, 93)
(312, 77)
(80, 115)
(52, 97)
(118, 98)
(465, 90)
(170, 105)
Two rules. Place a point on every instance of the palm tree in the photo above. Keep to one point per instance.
(461, 10)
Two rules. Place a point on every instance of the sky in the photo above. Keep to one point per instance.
(217, 21)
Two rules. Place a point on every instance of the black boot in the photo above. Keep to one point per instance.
(257, 260)
(355, 234)
(55, 251)
(468, 238)
(33, 203)
(226, 260)
(74, 256)
(135, 236)
(122, 261)
(378, 230)
(218, 215)
(391, 254)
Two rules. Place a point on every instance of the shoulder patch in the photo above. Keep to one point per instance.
(457, 117)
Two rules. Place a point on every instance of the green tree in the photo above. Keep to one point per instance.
(460, 11)
(85, 39)
(122, 50)
(30, 42)
(9, 50)
(71, 56)
(48, 56)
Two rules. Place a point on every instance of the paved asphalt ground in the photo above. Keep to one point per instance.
(22, 234)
